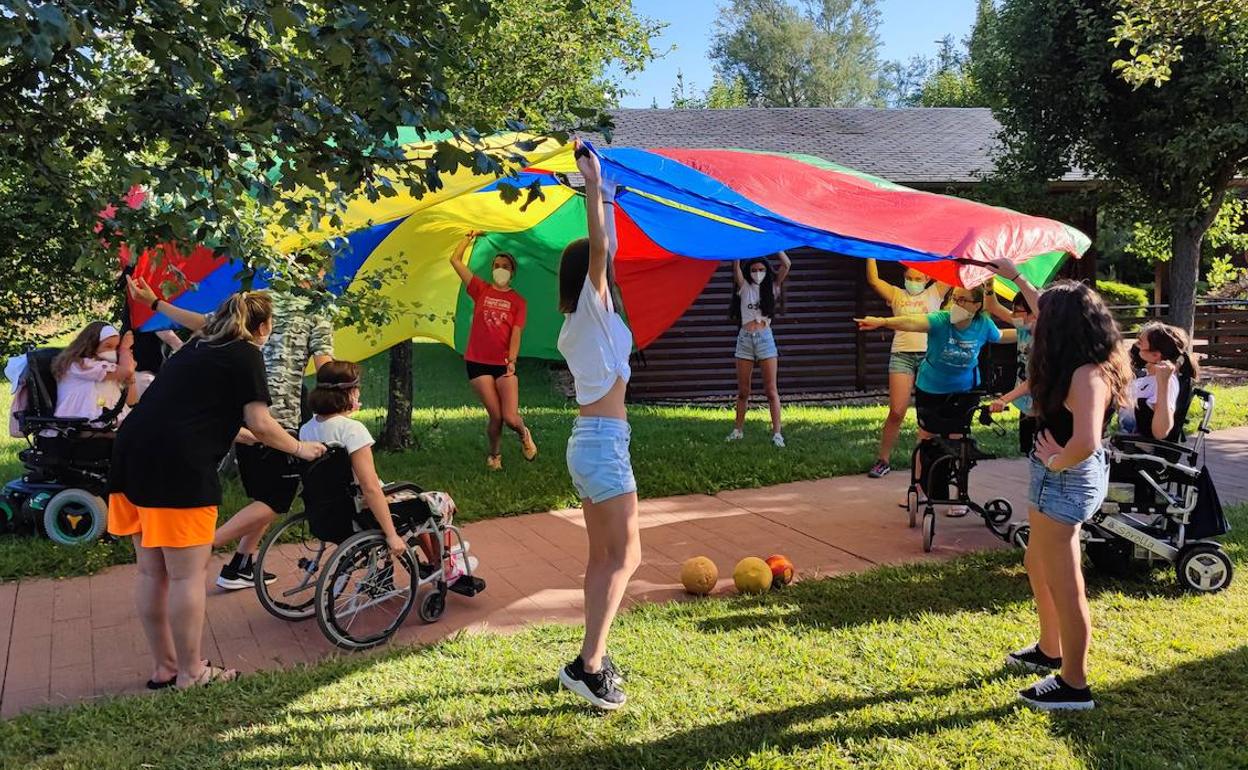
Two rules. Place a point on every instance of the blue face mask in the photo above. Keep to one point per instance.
(914, 287)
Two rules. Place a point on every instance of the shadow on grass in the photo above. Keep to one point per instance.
(979, 582)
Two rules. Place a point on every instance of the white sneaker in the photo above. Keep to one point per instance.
(956, 511)
(736, 435)
(778, 440)
(455, 569)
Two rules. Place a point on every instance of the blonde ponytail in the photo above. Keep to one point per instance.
(239, 317)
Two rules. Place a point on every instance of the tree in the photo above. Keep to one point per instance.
(720, 96)
(1154, 31)
(821, 53)
(1173, 148)
(236, 116)
(948, 80)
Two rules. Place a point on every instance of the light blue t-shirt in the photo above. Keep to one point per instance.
(952, 360)
(1023, 402)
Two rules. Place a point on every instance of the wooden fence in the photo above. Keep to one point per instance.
(1220, 329)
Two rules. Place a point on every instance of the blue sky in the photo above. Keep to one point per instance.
(907, 28)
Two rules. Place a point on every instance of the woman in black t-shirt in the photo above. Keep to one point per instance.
(163, 484)
(149, 356)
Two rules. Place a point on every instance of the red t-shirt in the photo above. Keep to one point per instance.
(496, 313)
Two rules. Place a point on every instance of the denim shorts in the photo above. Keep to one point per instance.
(598, 458)
(900, 362)
(756, 346)
(1073, 495)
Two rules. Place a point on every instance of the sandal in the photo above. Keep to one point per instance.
(529, 446)
(211, 675)
(153, 684)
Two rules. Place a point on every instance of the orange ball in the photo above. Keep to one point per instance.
(782, 570)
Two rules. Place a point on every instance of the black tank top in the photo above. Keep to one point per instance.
(1062, 425)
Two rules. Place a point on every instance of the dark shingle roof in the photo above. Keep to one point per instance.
(919, 146)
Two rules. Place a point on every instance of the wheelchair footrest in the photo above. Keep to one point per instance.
(468, 586)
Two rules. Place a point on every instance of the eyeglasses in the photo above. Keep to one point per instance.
(966, 301)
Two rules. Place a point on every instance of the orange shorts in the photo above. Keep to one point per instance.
(161, 527)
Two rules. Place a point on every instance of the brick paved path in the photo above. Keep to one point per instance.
(69, 640)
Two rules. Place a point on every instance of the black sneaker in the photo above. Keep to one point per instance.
(879, 470)
(236, 578)
(233, 578)
(599, 688)
(609, 668)
(1032, 659)
(1052, 694)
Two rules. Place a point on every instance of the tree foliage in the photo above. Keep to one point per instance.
(720, 96)
(1172, 149)
(236, 116)
(815, 53)
(948, 80)
(1154, 31)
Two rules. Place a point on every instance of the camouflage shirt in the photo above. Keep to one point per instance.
(301, 329)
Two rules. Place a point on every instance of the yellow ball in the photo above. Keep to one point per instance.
(699, 575)
(752, 575)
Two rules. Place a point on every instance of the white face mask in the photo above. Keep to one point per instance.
(959, 314)
(914, 287)
(502, 276)
(757, 277)
(107, 355)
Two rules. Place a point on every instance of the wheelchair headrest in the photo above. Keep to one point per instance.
(41, 382)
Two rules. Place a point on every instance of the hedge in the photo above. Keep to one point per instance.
(1120, 294)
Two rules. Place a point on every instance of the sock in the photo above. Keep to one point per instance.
(248, 562)
(236, 561)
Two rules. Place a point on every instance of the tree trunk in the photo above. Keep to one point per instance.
(397, 433)
(1184, 271)
(1161, 276)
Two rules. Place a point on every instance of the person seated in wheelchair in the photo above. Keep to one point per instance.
(332, 402)
(944, 397)
(94, 373)
(1158, 402)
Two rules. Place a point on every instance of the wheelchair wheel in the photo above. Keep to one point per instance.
(432, 606)
(1204, 568)
(929, 528)
(74, 517)
(1111, 557)
(363, 594)
(912, 506)
(294, 555)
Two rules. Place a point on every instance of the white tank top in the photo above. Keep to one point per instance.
(596, 343)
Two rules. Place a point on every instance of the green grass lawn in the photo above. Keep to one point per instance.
(676, 450)
(891, 668)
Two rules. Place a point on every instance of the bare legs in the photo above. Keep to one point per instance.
(745, 376)
(170, 596)
(769, 367)
(501, 399)
(247, 527)
(1055, 570)
(614, 554)
(899, 388)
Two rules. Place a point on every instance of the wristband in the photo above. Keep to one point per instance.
(1049, 463)
(155, 302)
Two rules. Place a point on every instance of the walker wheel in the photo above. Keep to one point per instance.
(912, 507)
(998, 511)
(432, 606)
(929, 530)
(1021, 536)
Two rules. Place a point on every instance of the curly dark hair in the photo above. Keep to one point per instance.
(1074, 328)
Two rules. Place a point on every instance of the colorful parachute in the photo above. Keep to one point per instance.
(682, 212)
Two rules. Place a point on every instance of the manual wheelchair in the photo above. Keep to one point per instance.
(331, 561)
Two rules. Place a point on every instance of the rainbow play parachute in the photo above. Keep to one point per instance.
(682, 212)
